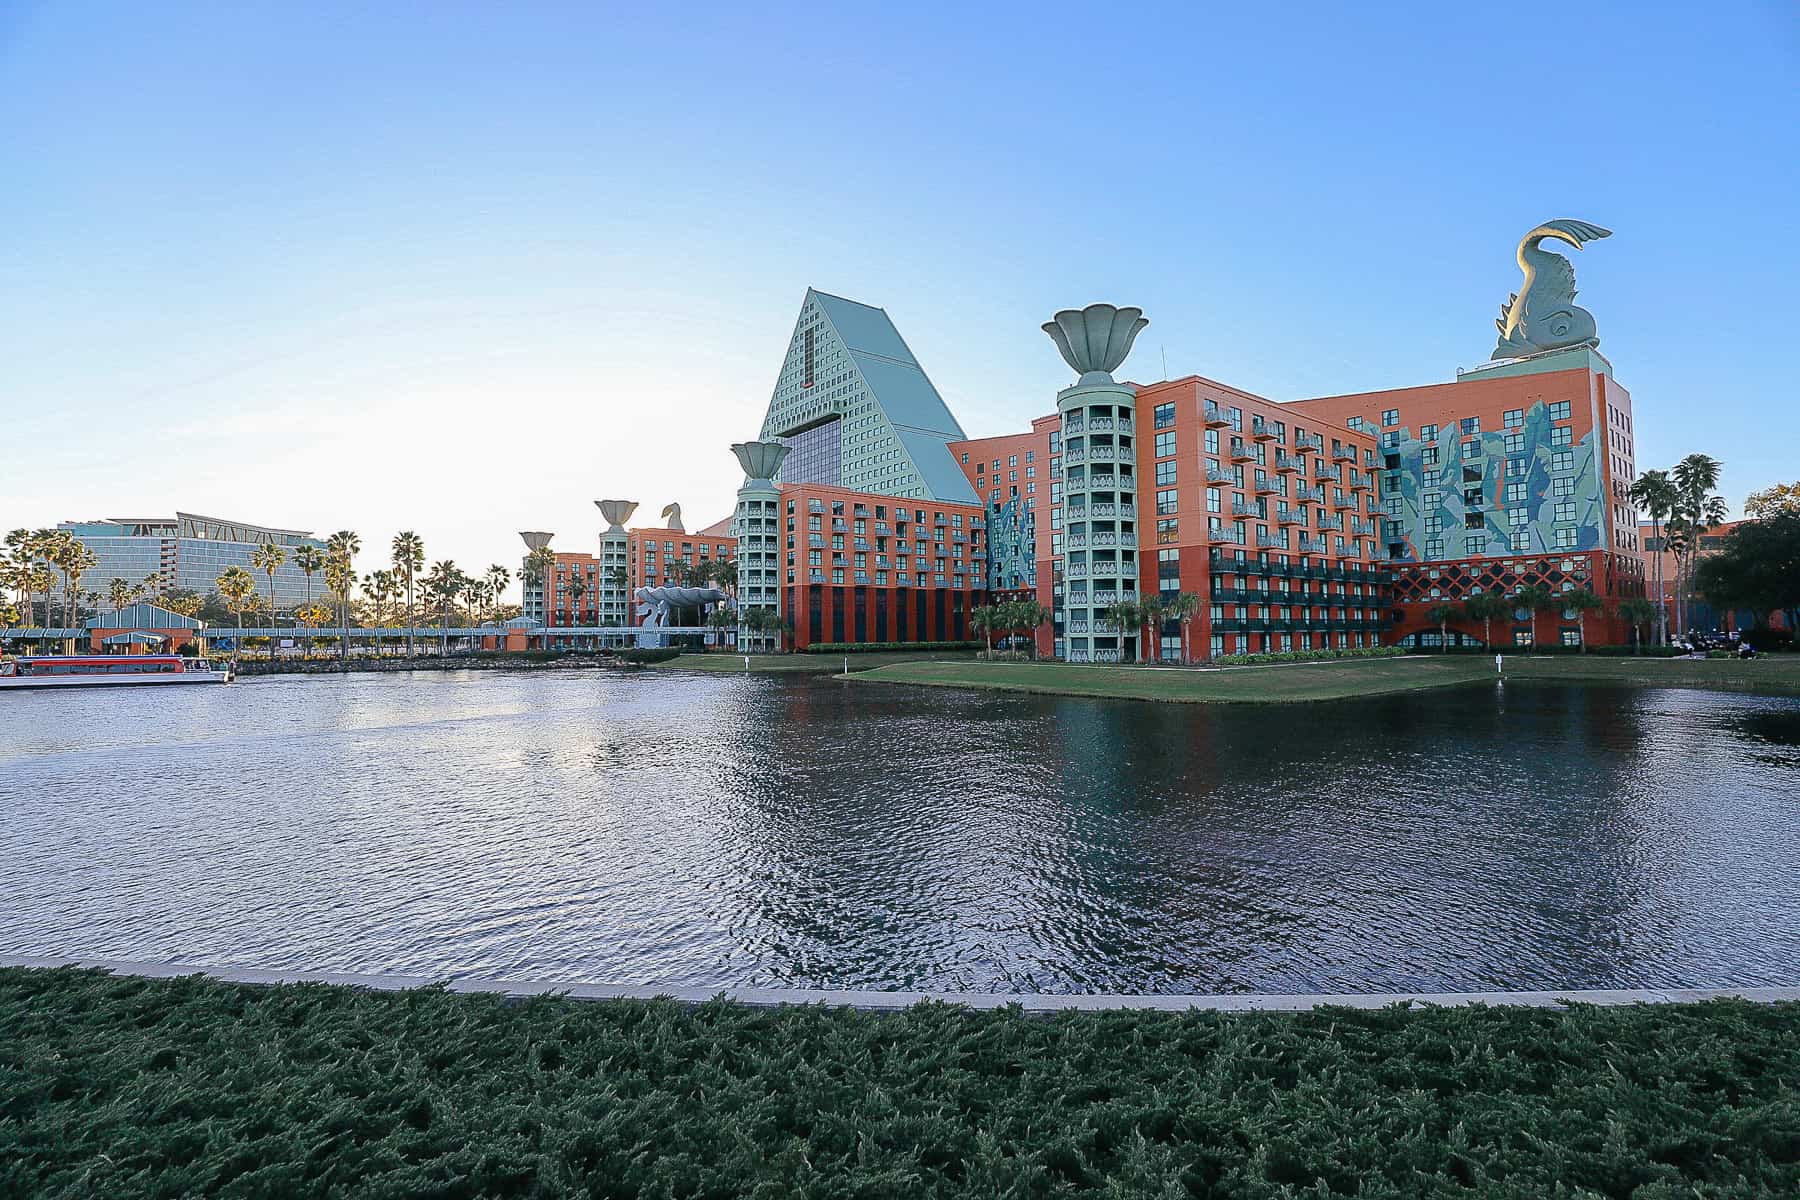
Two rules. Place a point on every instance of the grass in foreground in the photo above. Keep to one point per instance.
(1345, 679)
(809, 664)
(122, 1087)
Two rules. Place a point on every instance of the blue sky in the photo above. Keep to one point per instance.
(466, 269)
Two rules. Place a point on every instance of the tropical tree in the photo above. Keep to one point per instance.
(498, 580)
(1581, 602)
(983, 620)
(1654, 493)
(1773, 501)
(238, 587)
(577, 589)
(1441, 615)
(1124, 615)
(722, 618)
(1183, 607)
(1757, 568)
(408, 550)
(1698, 509)
(382, 588)
(1636, 612)
(1536, 598)
(268, 558)
(118, 591)
(724, 573)
(186, 604)
(1028, 616)
(442, 585)
(340, 582)
(1485, 607)
(1149, 620)
(9, 614)
(311, 560)
(74, 560)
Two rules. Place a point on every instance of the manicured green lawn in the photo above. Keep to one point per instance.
(127, 1088)
(1778, 675)
(808, 664)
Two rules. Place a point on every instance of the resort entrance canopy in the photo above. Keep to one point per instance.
(137, 637)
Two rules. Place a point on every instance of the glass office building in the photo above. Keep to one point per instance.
(188, 552)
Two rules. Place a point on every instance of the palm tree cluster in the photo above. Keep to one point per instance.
(1009, 618)
(1681, 504)
(1149, 613)
(34, 560)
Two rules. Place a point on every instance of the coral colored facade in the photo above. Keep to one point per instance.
(655, 553)
(1012, 475)
(860, 567)
(1511, 476)
(572, 590)
(1701, 615)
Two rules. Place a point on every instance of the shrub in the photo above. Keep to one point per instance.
(872, 647)
(1295, 656)
(655, 655)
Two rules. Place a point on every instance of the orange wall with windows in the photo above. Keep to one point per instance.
(1017, 467)
(652, 552)
(837, 598)
(561, 605)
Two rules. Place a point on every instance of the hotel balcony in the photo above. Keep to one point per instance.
(1343, 501)
(1243, 508)
(1309, 494)
(1309, 441)
(1261, 430)
(1074, 458)
(1324, 470)
(1311, 545)
(1290, 516)
(1225, 537)
(1241, 451)
(1220, 475)
(1214, 416)
(1344, 454)
(1269, 541)
(1289, 462)
(1104, 453)
(1335, 524)
(1364, 481)
(1098, 423)
(1072, 424)
(1268, 485)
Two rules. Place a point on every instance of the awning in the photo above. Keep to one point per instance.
(136, 637)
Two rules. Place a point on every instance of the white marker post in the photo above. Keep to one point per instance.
(1499, 667)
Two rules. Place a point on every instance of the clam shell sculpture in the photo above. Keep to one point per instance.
(616, 512)
(1095, 340)
(535, 540)
(760, 460)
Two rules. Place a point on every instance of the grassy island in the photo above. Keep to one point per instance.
(1345, 679)
(125, 1087)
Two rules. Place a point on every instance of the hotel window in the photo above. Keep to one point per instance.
(1167, 530)
(1212, 441)
(1012, 460)
(1474, 520)
(1165, 474)
(1515, 443)
(1390, 416)
(1166, 501)
(1431, 499)
(1472, 448)
(1518, 468)
(1234, 418)
(1164, 416)
(1471, 425)
(1031, 472)
(1565, 510)
(1562, 487)
(1565, 539)
(1434, 548)
(1562, 460)
(1429, 456)
(1390, 440)
(1521, 542)
(1212, 500)
(1559, 411)
(1434, 524)
(1055, 441)
(1561, 435)
(1513, 418)
(1393, 506)
(1165, 444)
(1515, 493)
(1031, 456)
(1427, 432)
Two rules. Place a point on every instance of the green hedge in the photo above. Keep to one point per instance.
(1297, 656)
(657, 655)
(873, 647)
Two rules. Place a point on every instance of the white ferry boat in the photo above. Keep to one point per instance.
(107, 670)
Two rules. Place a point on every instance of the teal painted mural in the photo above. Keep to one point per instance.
(1012, 546)
(1523, 489)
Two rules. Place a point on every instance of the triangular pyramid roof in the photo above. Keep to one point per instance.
(848, 371)
(142, 616)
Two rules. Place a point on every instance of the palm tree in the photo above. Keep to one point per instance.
(443, 583)
(1582, 601)
(498, 580)
(1183, 607)
(237, 586)
(74, 560)
(1654, 492)
(408, 549)
(340, 581)
(1695, 478)
(9, 614)
(1124, 615)
(311, 560)
(1149, 618)
(722, 618)
(983, 620)
(1441, 615)
(381, 587)
(1637, 612)
(1484, 607)
(344, 546)
(118, 592)
(268, 559)
(577, 589)
(1537, 598)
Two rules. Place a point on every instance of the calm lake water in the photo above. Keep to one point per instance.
(696, 830)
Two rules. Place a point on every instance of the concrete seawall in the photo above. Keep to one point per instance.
(879, 1001)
